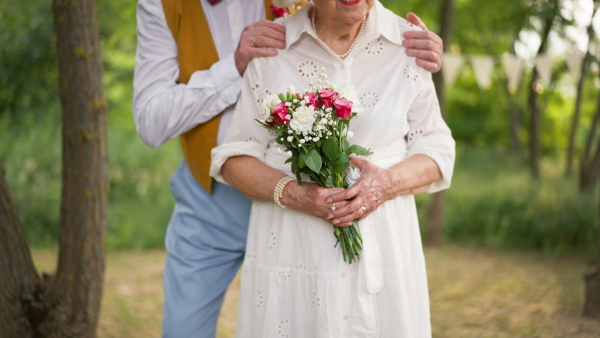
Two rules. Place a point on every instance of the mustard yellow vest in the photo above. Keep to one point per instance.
(196, 51)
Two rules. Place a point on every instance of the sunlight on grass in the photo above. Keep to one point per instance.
(474, 292)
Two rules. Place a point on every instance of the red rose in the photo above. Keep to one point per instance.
(327, 97)
(278, 11)
(280, 113)
(311, 99)
(343, 108)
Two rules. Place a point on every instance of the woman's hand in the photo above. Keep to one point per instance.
(365, 196)
(309, 198)
(425, 45)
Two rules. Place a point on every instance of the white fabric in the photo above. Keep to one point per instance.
(294, 282)
(451, 65)
(574, 60)
(483, 67)
(513, 65)
(543, 65)
(164, 109)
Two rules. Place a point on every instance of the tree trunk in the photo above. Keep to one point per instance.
(435, 211)
(590, 161)
(534, 136)
(591, 307)
(577, 112)
(67, 304)
(18, 278)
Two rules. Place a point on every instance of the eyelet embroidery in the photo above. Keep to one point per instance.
(259, 94)
(308, 69)
(284, 275)
(246, 322)
(285, 328)
(271, 240)
(316, 300)
(415, 135)
(249, 263)
(260, 298)
(410, 72)
(301, 268)
(369, 99)
(374, 47)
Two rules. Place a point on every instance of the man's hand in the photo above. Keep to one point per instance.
(258, 40)
(426, 46)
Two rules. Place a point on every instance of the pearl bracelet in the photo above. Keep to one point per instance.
(278, 193)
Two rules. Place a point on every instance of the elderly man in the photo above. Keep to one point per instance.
(191, 56)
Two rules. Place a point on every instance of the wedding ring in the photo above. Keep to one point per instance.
(364, 209)
(254, 42)
(332, 206)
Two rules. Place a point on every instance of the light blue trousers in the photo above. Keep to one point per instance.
(205, 242)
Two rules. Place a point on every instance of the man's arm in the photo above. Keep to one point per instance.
(163, 108)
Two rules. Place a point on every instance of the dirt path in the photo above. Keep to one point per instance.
(474, 293)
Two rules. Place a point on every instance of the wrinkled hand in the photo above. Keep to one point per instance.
(310, 198)
(426, 46)
(259, 40)
(370, 191)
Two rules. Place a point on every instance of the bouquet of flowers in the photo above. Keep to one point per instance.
(313, 127)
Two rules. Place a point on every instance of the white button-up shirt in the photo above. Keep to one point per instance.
(164, 109)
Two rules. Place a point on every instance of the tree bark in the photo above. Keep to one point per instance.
(435, 210)
(577, 112)
(534, 136)
(77, 287)
(591, 307)
(590, 161)
(67, 304)
(19, 280)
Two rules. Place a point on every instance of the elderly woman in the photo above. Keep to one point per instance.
(295, 282)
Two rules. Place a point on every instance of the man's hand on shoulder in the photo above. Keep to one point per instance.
(426, 46)
(258, 40)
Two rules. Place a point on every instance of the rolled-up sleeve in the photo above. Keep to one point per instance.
(429, 134)
(245, 137)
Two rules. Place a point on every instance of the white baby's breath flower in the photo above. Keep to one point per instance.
(302, 141)
(303, 119)
(290, 138)
(349, 135)
(291, 89)
(288, 104)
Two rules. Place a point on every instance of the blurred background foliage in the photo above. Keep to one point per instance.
(493, 200)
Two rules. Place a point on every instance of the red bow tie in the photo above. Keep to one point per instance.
(214, 2)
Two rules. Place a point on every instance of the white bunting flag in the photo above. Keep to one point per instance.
(451, 65)
(483, 67)
(513, 66)
(543, 65)
(574, 61)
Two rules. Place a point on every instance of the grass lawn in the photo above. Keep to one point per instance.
(474, 292)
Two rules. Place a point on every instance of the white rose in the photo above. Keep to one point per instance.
(303, 119)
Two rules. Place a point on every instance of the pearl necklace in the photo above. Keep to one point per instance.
(342, 56)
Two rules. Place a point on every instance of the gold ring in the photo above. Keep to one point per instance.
(364, 209)
(254, 42)
(332, 206)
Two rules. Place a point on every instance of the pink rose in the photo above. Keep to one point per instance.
(343, 107)
(278, 11)
(280, 113)
(327, 97)
(312, 100)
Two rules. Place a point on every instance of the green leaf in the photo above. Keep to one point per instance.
(301, 163)
(312, 160)
(329, 182)
(330, 149)
(338, 167)
(345, 145)
(358, 150)
(343, 158)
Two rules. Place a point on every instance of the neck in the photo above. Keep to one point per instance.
(338, 36)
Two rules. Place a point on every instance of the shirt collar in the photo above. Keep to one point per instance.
(381, 22)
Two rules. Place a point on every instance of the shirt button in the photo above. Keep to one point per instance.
(343, 275)
(346, 317)
(236, 22)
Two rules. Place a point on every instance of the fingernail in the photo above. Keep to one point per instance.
(337, 221)
(328, 200)
(330, 216)
(410, 52)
